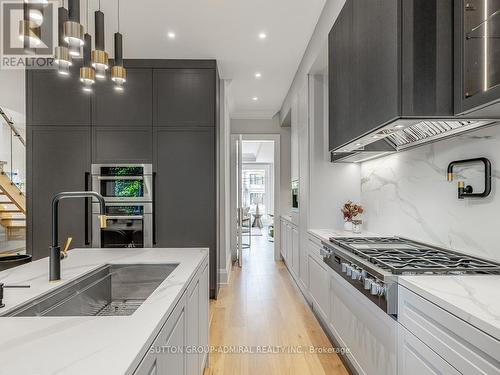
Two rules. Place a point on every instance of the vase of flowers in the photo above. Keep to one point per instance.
(350, 211)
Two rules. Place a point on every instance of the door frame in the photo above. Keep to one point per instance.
(277, 186)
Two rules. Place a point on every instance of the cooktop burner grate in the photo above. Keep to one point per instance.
(402, 256)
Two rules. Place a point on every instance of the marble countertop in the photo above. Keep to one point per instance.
(473, 298)
(88, 345)
(325, 234)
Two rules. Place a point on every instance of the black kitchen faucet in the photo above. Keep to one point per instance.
(55, 249)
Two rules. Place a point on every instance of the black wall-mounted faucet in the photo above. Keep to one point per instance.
(466, 191)
(55, 250)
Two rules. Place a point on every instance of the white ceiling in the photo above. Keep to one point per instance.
(226, 30)
(258, 151)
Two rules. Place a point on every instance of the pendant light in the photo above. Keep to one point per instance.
(73, 30)
(61, 53)
(100, 58)
(87, 73)
(118, 72)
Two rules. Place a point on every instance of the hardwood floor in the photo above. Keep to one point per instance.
(262, 307)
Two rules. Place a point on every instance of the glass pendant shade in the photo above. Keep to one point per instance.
(73, 30)
(100, 58)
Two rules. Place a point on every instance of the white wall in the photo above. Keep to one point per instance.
(13, 91)
(407, 194)
(331, 185)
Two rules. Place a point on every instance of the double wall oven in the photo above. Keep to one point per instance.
(128, 192)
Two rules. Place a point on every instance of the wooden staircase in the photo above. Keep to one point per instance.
(12, 208)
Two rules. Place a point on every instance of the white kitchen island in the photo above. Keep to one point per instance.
(175, 315)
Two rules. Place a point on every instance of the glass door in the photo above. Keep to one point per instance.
(481, 52)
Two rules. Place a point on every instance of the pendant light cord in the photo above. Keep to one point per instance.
(118, 15)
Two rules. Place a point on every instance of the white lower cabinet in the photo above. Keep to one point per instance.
(319, 282)
(364, 329)
(180, 347)
(284, 243)
(289, 259)
(464, 347)
(193, 330)
(416, 358)
(295, 251)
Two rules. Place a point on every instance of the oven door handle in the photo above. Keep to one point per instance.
(125, 217)
(122, 178)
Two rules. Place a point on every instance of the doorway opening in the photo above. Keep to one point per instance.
(256, 185)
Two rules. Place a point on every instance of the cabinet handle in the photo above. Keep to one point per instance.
(154, 208)
(87, 237)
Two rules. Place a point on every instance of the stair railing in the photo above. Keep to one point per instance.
(12, 162)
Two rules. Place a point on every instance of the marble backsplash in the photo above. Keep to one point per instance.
(407, 194)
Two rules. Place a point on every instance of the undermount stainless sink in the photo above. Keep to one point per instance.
(112, 290)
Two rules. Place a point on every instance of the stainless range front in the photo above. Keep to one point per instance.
(372, 264)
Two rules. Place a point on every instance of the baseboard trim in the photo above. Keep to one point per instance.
(225, 273)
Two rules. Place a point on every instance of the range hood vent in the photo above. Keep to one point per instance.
(402, 135)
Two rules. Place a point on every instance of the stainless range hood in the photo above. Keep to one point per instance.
(404, 134)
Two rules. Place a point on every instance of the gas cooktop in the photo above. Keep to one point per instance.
(402, 256)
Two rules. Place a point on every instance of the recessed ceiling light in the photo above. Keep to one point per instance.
(345, 150)
(262, 36)
(171, 35)
(359, 144)
(255, 98)
(399, 126)
(376, 136)
(258, 75)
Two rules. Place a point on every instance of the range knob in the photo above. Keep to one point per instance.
(355, 274)
(344, 267)
(348, 270)
(368, 284)
(375, 288)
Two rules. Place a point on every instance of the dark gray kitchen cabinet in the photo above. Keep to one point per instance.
(340, 76)
(122, 145)
(184, 97)
(427, 58)
(389, 60)
(129, 107)
(375, 99)
(58, 158)
(185, 192)
(53, 99)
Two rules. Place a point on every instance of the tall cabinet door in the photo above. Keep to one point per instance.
(185, 189)
(376, 64)
(340, 51)
(58, 160)
(184, 97)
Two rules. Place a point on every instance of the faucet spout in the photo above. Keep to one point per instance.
(55, 249)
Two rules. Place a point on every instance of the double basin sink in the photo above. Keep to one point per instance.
(112, 290)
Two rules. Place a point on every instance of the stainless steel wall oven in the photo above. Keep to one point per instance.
(128, 192)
